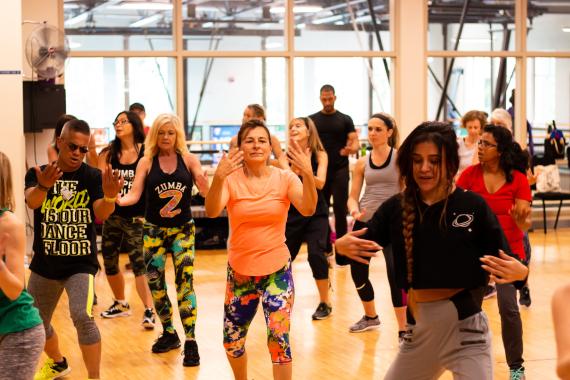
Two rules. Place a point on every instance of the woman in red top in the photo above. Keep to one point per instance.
(501, 180)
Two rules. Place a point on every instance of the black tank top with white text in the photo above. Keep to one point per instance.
(128, 173)
(168, 195)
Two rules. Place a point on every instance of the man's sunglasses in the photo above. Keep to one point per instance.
(73, 147)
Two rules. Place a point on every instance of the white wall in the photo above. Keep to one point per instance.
(11, 128)
(36, 11)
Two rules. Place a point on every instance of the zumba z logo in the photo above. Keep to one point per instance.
(174, 191)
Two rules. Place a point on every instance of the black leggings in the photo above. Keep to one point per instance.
(360, 276)
(337, 186)
(313, 230)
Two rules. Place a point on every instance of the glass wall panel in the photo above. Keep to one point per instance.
(361, 86)
(479, 83)
(99, 88)
(548, 96)
(219, 89)
(488, 25)
(118, 25)
(233, 25)
(548, 25)
(342, 25)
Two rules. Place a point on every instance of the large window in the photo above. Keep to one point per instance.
(549, 26)
(479, 83)
(471, 25)
(342, 25)
(230, 54)
(361, 86)
(219, 89)
(98, 89)
(118, 25)
(233, 25)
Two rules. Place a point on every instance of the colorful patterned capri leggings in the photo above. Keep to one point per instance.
(243, 293)
(178, 241)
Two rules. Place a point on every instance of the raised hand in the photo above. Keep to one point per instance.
(358, 214)
(504, 269)
(112, 182)
(48, 177)
(519, 213)
(300, 159)
(351, 246)
(229, 163)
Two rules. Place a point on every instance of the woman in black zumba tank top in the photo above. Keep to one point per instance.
(123, 231)
(166, 175)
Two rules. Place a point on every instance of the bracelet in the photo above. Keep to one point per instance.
(110, 200)
(42, 187)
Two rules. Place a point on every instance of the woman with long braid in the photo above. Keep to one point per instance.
(446, 242)
(379, 171)
(500, 179)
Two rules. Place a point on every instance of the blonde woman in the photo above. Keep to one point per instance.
(312, 229)
(167, 173)
(22, 335)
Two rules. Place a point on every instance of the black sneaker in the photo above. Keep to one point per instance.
(166, 342)
(323, 311)
(148, 319)
(401, 336)
(191, 355)
(524, 297)
(117, 309)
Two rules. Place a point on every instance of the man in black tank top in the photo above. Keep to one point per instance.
(340, 139)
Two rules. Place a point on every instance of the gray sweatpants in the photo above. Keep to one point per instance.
(20, 353)
(80, 291)
(439, 341)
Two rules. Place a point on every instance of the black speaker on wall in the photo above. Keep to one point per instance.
(44, 103)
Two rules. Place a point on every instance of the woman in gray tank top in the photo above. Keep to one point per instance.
(378, 171)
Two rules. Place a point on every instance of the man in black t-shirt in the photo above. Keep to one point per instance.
(339, 139)
(66, 196)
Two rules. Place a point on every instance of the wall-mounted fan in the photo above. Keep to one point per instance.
(46, 51)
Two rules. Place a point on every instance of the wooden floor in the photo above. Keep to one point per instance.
(322, 349)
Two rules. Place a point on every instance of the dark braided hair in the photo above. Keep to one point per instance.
(444, 138)
(512, 157)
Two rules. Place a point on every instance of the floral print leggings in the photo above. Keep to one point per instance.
(243, 293)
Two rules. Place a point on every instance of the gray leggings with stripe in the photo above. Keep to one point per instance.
(79, 289)
(20, 352)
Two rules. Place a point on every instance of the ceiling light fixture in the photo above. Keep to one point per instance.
(146, 21)
(144, 6)
(566, 29)
(298, 9)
